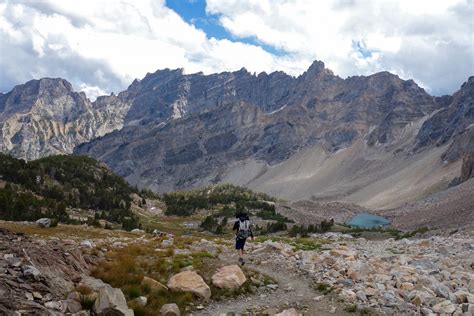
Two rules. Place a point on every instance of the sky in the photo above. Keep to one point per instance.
(101, 46)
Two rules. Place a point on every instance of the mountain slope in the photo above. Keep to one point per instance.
(196, 129)
(46, 117)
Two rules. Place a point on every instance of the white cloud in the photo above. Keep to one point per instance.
(102, 45)
(431, 41)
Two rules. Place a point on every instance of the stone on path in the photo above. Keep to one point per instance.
(229, 277)
(288, 312)
(170, 310)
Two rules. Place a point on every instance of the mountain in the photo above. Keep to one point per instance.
(46, 117)
(374, 140)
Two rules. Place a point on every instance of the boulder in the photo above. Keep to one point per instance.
(56, 305)
(343, 252)
(464, 297)
(44, 222)
(445, 307)
(153, 284)
(229, 277)
(75, 296)
(170, 310)
(189, 281)
(73, 306)
(30, 271)
(288, 312)
(87, 244)
(111, 302)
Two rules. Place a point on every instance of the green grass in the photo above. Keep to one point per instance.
(395, 233)
(323, 288)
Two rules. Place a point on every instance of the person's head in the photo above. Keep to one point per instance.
(242, 216)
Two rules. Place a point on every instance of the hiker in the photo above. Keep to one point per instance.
(243, 231)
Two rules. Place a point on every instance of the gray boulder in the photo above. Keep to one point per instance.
(44, 222)
(111, 302)
(170, 310)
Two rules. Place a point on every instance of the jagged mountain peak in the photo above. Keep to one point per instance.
(174, 130)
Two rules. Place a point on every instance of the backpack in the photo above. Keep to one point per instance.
(244, 229)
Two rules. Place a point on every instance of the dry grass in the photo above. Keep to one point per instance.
(63, 231)
(125, 269)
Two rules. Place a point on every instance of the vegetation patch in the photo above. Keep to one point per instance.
(236, 198)
(47, 186)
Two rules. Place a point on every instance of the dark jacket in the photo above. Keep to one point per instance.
(237, 225)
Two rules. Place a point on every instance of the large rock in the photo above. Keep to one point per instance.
(44, 222)
(153, 284)
(170, 310)
(445, 307)
(288, 312)
(111, 302)
(343, 252)
(229, 277)
(189, 281)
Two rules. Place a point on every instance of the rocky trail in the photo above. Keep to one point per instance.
(292, 290)
(324, 274)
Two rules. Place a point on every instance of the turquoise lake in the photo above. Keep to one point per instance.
(366, 220)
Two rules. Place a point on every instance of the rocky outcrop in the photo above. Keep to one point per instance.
(467, 170)
(37, 275)
(450, 122)
(229, 277)
(190, 281)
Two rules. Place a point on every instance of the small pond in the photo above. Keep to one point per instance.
(366, 220)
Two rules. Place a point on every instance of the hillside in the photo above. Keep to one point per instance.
(49, 187)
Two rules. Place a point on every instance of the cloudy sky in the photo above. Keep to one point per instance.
(102, 45)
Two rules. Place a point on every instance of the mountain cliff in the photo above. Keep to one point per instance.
(172, 130)
(46, 117)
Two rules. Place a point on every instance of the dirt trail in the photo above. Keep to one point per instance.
(294, 290)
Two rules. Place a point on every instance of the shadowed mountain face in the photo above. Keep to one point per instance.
(171, 130)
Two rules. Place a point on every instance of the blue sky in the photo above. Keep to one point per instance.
(101, 46)
(194, 12)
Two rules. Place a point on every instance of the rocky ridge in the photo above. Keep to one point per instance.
(172, 130)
